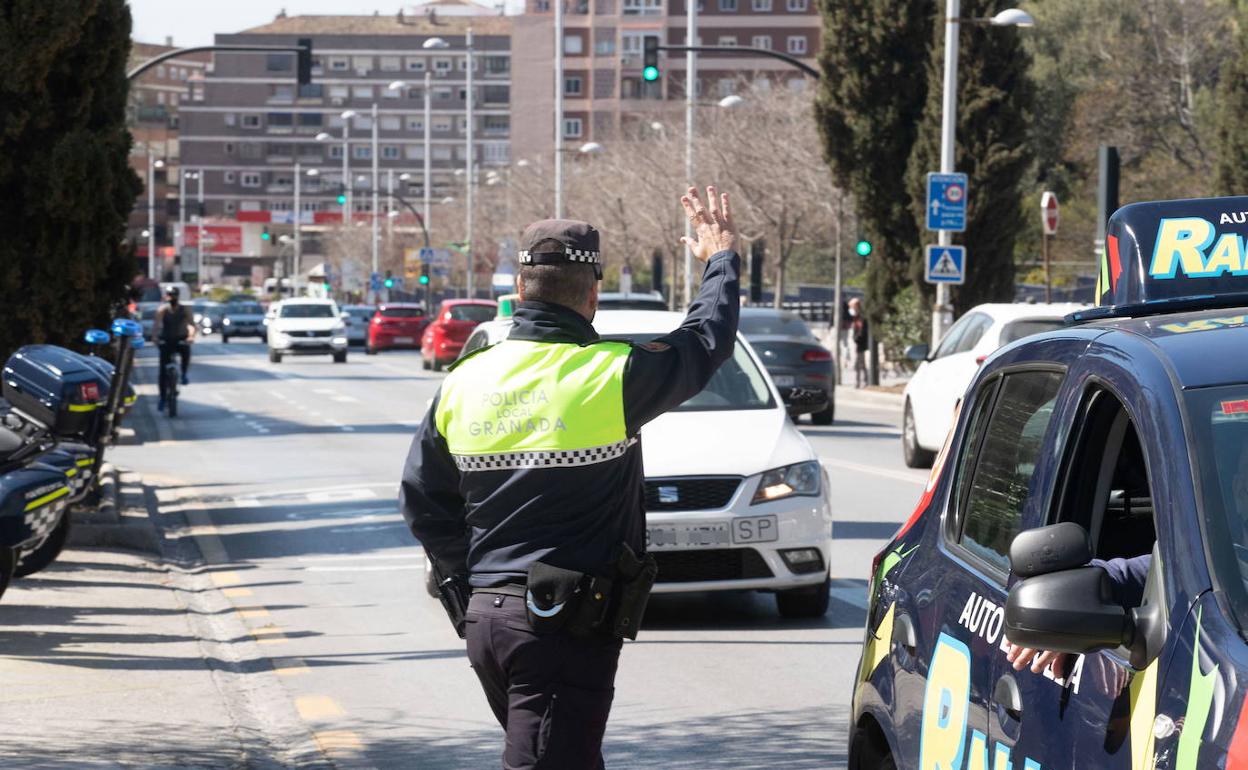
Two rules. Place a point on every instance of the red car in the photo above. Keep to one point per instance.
(396, 325)
(456, 319)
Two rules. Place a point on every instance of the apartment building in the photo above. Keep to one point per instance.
(253, 123)
(153, 115)
(603, 42)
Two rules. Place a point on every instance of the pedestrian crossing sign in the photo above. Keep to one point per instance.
(946, 264)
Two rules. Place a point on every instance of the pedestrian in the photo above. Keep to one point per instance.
(860, 341)
(174, 330)
(524, 483)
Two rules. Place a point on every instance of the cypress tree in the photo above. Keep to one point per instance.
(995, 97)
(64, 178)
(870, 101)
(1232, 106)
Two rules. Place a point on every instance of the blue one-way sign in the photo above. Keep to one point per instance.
(946, 202)
(946, 264)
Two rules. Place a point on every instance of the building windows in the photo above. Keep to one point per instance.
(541, 6)
(573, 128)
(496, 152)
(230, 119)
(361, 152)
(729, 40)
(311, 119)
(415, 93)
(284, 92)
(391, 93)
(573, 85)
(728, 6)
(280, 205)
(230, 208)
(441, 94)
(463, 94)
(389, 152)
(391, 123)
(797, 6)
(495, 124)
(229, 148)
(642, 7)
(335, 151)
(727, 86)
(761, 41)
(442, 152)
(442, 66)
(496, 94)
(281, 119)
(463, 65)
(251, 121)
(230, 177)
(362, 92)
(442, 125)
(362, 123)
(573, 45)
(335, 120)
(361, 64)
(278, 62)
(414, 152)
(339, 64)
(797, 45)
(497, 65)
(160, 97)
(415, 124)
(415, 64)
(339, 93)
(249, 179)
(390, 64)
(760, 6)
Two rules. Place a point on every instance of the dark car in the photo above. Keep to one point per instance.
(396, 325)
(445, 336)
(1090, 501)
(208, 315)
(799, 365)
(242, 319)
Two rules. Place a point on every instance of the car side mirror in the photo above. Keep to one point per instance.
(917, 353)
(1068, 611)
(1053, 548)
(344, 316)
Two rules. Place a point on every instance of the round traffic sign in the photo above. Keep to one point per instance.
(1048, 213)
(954, 193)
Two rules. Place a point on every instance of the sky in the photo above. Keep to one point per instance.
(194, 22)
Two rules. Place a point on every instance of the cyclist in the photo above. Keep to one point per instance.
(174, 328)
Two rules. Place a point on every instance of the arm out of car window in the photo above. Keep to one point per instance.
(430, 500)
(665, 373)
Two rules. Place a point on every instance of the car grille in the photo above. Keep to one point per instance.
(711, 564)
(309, 333)
(694, 493)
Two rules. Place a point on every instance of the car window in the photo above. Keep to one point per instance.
(402, 312)
(737, 384)
(976, 325)
(307, 311)
(475, 342)
(1005, 459)
(363, 313)
(474, 313)
(244, 308)
(1016, 330)
(953, 336)
(787, 324)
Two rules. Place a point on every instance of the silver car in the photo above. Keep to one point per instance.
(357, 323)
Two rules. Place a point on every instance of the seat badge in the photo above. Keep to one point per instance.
(668, 495)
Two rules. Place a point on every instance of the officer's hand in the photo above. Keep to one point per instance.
(1020, 657)
(713, 229)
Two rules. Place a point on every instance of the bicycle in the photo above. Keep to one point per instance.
(170, 375)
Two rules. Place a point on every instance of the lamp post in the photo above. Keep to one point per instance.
(437, 42)
(182, 177)
(559, 85)
(691, 80)
(942, 313)
(152, 164)
(346, 170)
(199, 227)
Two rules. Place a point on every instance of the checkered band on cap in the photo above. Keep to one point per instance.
(570, 255)
(565, 458)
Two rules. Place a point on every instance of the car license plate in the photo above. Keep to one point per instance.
(785, 380)
(688, 536)
(755, 529)
(402, 340)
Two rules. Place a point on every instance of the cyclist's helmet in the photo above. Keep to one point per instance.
(173, 292)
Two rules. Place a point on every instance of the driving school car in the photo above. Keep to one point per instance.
(1129, 429)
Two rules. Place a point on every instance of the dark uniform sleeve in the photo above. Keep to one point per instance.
(1127, 577)
(665, 373)
(430, 499)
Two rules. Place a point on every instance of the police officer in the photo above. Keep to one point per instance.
(526, 478)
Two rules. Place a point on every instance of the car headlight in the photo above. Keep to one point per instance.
(789, 481)
(226, 322)
(338, 330)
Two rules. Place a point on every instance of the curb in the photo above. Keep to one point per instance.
(869, 397)
(119, 520)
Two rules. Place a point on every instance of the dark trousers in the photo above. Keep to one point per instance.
(167, 349)
(551, 693)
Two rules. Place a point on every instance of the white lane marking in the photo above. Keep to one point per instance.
(379, 568)
(324, 391)
(344, 399)
(246, 502)
(328, 496)
(360, 557)
(300, 491)
(279, 395)
(875, 470)
(850, 593)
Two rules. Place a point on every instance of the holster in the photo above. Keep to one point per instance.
(558, 598)
(454, 593)
(634, 579)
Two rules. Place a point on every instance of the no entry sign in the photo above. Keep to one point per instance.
(1048, 213)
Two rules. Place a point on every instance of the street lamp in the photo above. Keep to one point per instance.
(182, 177)
(942, 313)
(153, 163)
(730, 101)
(591, 148)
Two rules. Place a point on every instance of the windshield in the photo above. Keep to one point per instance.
(785, 324)
(360, 312)
(1219, 420)
(307, 311)
(632, 303)
(1016, 330)
(474, 313)
(738, 384)
(244, 308)
(407, 312)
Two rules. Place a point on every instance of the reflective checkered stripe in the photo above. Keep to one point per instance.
(572, 255)
(568, 458)
(40, 522)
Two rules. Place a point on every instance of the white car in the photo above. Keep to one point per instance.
(943, 375)
(736, 499)
(306, 326)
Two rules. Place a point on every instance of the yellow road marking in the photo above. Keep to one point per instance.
(269, 634)
(236, 593)
(289, 666)
(226, 578)
(312, 707)
(333, 742)
(253, 612)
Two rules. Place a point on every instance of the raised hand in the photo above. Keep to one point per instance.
(712, 224)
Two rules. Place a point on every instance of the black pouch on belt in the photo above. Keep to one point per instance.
(552, 597)
(634, 579)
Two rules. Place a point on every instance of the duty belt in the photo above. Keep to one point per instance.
(506, 589)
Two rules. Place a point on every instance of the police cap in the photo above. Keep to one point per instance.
(578, 243)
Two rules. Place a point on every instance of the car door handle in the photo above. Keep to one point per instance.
(1007, 695)
(903, 632)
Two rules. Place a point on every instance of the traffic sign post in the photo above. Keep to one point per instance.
(945, 264)
(946, 202)
(1048, 221)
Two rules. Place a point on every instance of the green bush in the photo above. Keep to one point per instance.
(908, 322)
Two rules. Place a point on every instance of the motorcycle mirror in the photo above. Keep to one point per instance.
(97, 337)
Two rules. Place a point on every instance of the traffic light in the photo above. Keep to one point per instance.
(264, 234)
(863, 248)
(303, 61)
(650, 59)
(757, 250)
(342, 195)
(424, 277)
(389, 279)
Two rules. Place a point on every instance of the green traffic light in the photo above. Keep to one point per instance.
(264, 236)
(863, 248)
(389, 283)
(650, 74)
(424, 280)
(342, 200)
